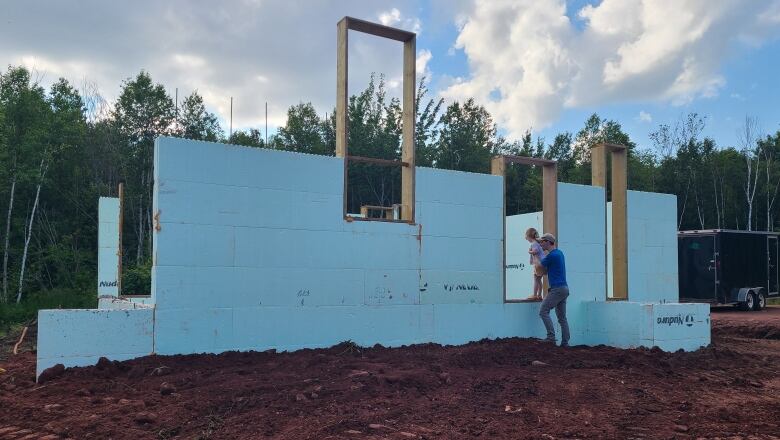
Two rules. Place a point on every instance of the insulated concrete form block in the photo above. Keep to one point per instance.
(438, 219)
(681, 321)
(195, 245)
(297, 287)
(193, 330)
(80, 337)
(629, 324)
(652, 247)
(232, 165)
(108, 246)
(460, 287)
(581, 218)
(459, 188)
(461, 254)
(391, 287)
(287, 248)
(215, 204)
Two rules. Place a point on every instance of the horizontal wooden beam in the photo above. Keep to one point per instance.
(379, 30)
(377, 161)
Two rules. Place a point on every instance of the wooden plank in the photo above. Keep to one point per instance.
(619, 224)
(341, 88)
(377, 161)
(598, 168)
(498, 166)
(119, 250)
(550, 199)
(379, 30)
(407, 144)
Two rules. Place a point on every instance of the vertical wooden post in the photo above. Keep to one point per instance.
(619, 192)
(341, 88)
(550, 199)
(619, 224)
(598, 167)
(498, 168)
(120, 253)
(407, 146)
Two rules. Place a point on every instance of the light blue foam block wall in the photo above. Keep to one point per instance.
(251, 251)
(108, 246)
(81, 337)
(652, 247)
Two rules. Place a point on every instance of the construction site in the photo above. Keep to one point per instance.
(275, 312)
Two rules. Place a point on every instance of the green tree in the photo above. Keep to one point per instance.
(197, 123)
(249, 138)
(303, 131)
(467, 138)
(143, 112)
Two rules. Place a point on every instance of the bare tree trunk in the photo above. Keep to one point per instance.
(42, 173)
(748, 137)
(140, 247)
(7, 236)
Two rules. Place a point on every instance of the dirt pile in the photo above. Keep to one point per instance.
(487, 389)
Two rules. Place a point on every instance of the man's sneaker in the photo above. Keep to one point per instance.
(565, 345)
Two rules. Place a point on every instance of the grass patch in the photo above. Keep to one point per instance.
(13, 314)
(773, 301)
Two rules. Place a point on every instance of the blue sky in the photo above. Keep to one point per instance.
(541, 64)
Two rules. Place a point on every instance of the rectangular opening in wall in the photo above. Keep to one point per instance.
(373, 190)
(523, 211)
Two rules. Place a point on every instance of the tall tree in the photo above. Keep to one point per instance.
(195, 122)
(302, 132)
(24, 131)
(467, 138)
(143, 112)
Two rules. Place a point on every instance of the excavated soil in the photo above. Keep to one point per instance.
(488, 389)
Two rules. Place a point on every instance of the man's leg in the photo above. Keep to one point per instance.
(560, 312)
(550, 301)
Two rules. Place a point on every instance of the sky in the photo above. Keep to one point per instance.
(544, 65)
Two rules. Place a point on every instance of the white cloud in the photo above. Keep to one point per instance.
(644, 117)
(540, 62)
(282, 52)
(421, 63)
(394, 18)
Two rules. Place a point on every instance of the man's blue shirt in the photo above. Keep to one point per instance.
(556, 268)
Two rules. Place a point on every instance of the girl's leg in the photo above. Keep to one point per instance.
(537, 286)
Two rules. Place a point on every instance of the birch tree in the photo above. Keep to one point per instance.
(747, 136)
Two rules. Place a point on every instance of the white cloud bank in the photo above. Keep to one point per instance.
(280, 51)
(528, 61)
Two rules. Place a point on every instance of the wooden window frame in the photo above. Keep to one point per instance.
(619, 191)
(408, 110)
(549, 199)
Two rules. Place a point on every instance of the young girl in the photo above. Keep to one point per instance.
(532, 235)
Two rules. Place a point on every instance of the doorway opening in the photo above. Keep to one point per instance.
(530, 184)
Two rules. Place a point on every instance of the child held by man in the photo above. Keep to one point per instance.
(532, 235)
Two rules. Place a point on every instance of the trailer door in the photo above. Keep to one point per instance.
(697, 268)
(772, 264)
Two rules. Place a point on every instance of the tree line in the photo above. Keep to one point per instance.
(62, 148)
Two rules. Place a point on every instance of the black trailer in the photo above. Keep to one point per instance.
(721, 266)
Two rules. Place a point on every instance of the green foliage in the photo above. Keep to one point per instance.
(249, 138)
(137, 280)
(27, 310)
(197, 123)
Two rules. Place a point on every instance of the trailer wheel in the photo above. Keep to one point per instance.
(749, 303)
(760, 301)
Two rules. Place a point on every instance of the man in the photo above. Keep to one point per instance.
(558, 292)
